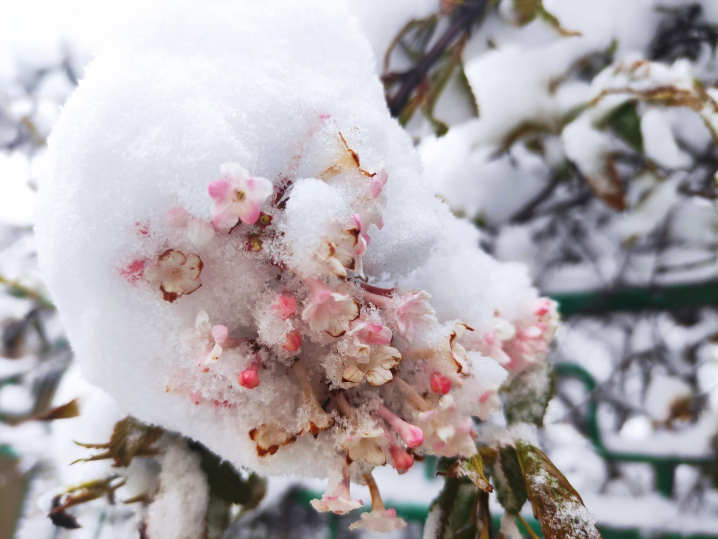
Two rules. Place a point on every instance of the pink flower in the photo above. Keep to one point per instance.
(330, 310)
(440, 384)
(446, 434)
(237, 196)
(285, 306)
(370, 333)
(379, 519)
(211, 339)
(376, 369)
(198, 231)
(337, 498)
(175, 274)
(415, 312)
(495, 339)
(293, 341)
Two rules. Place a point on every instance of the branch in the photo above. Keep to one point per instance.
(466, 16)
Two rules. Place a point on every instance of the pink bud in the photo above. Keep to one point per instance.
(292, 342)
(402, 460)
(412, 435)
(249, 378)
(440, 384)
(285, 306)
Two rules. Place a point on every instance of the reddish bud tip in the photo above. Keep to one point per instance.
(248, 378)
(292, 342)
(440, 384)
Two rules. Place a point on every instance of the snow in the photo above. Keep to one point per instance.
(179, 510)
(270, 106)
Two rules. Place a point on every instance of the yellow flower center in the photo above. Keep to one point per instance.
(240, 195)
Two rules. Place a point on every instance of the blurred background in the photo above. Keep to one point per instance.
(579, 136)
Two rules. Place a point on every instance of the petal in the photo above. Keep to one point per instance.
(171, 259)
(199, 232)
(220, 334)
(378, 376)
(202, 324)
(193, 266)
(248, 211)
(177, 218)
(352, 374)
(219, 190)
(153, 275)
(224, 216)
(260, 189)
(233, 170)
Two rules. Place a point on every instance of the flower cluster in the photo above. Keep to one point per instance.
(378, 378)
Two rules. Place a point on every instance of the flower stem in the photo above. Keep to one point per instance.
(377, 504)
(379, 301)
(412, 394)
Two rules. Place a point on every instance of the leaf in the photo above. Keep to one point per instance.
(130, 438)
(472, 469)
(64, 411)
(556, 504)
(509, 481)
(227, 483)
(625, 122)
(528, 395)
(526, 11)
(79, 494)
(607, 185)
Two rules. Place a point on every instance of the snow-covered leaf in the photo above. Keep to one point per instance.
(555, 502)
(528, 395)
(130, 438)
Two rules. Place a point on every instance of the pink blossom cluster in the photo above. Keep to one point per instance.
(380, 379)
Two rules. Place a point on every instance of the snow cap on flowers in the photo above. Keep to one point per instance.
(266, 125)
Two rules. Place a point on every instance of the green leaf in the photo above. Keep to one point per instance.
(509, 481)
(625, 122)
(130, 438)
(452, 510)
(526, 11)
(556, 504)
(528, 395)
(227, 483)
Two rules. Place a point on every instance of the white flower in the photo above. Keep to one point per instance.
(376, 369)
(366, 446)
(209, 338)
(175, 274)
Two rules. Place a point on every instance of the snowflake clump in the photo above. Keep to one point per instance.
(244, 250)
